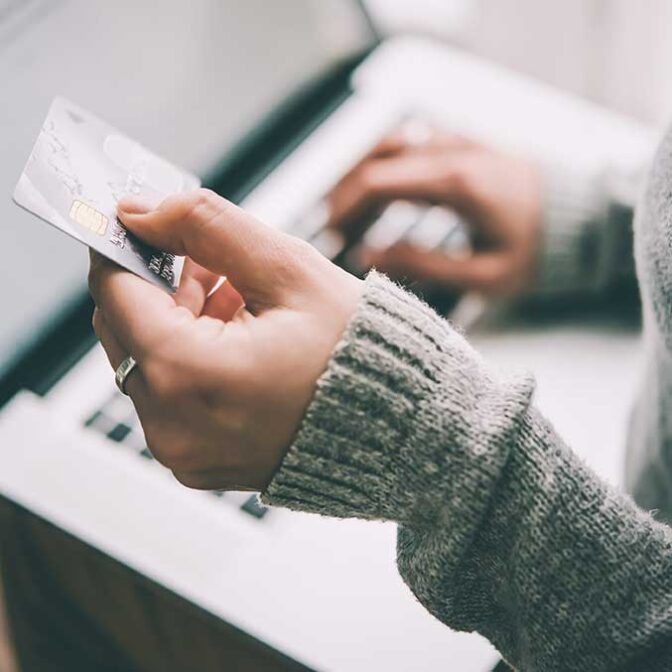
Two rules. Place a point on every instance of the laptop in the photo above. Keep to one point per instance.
(271, 113)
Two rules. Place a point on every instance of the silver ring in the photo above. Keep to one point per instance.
(122, 373)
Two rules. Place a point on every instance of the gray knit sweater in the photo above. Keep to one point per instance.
(502, 530)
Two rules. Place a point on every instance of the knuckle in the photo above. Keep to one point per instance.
(203, 207)
(171, 338)
(206, 196)
(183, 478)
(366, 178)
(291, 260)
(194, 481)
(180, 455)
(171, 451)
(189, 201)
(302, 253)
(204, 203)
(163, 379)
(166, 387)
(459, 181)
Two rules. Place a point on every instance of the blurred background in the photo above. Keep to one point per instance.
(614, 52)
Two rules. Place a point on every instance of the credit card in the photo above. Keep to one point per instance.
(80, 168)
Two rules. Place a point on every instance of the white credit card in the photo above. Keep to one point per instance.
(80, 168)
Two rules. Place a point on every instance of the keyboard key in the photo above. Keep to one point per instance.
(457, 243)
(101, 422)
(119, 432)
(393, 224)
(433, 228)
(254, 507)
(94, 419)
(128, 432)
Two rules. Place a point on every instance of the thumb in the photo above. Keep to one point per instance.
(216, 234)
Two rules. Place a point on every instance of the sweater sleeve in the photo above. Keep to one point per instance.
(502, 530)
(586, 237)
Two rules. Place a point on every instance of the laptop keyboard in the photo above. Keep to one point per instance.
(117, 421)
(427, 227)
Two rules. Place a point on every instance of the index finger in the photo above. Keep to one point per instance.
(392, 143)
(139, 313)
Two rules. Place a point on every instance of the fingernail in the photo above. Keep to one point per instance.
(135, 205)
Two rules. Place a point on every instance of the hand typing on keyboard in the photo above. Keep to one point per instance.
(498, 196)
(224, 376)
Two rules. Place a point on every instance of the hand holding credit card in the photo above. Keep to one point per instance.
(80, 167)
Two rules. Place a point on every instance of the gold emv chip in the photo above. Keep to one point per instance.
(88, 217)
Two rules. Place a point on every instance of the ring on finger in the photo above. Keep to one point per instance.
(123, 371)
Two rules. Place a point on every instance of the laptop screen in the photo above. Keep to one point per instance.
(186, 78)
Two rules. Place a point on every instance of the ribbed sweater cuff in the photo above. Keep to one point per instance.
(573, 244)
(402, 416)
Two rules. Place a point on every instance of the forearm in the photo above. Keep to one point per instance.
(562, 573)
(502, 530)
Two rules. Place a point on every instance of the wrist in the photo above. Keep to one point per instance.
(391, 417)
